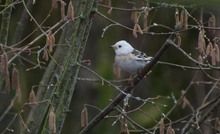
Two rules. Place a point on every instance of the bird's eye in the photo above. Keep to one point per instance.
(119, 46)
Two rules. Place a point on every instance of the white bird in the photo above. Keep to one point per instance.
(128, 58)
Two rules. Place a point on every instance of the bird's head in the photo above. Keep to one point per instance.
(122, 48)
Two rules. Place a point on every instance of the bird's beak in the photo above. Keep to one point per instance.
(113, 47)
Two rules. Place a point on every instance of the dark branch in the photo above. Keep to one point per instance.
(129, 87)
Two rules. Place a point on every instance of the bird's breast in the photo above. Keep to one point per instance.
(129, 63)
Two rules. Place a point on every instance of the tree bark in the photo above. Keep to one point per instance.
(60, 76)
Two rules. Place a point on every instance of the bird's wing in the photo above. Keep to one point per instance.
(140, 56)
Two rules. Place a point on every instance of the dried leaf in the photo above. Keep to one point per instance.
(52, 39)
(62, 9)
(54, 3)
(208, 49)
(84, 117)
(7, 82)
(179, 40)
(184, 20)
(200, 59)
(211, 50)
(161, 125)
(135, 31)
(134, 15)
(212, 23)
(170, 130)
(50, 46)
(15, 78)
(217, 56)
(32, 97)
(52, 121)
(45, 55)
(139, 29)
(4, 69)
(70, 11)
(4, 60)
(201, 41)
(213, 55)
(184, 102)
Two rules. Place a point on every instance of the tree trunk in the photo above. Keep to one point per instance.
(58, 83)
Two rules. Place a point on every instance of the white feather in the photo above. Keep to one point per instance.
(128, 58)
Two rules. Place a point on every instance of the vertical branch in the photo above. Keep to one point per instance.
(62, 80)
(69, 75)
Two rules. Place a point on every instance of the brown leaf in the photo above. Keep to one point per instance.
(213, 55)
(211, 50)
(184, 20)
(70, 11)
(200, 59)
(4, 60)
(212, 24)
(15, 78)
(45, 55)
(170, 130)
(217, 56)
(4, 69)
(139, 29)
(84, 117)
(161, 125)
(7, 82)
(32, 97)
(135, 31)
(62, 9)
(134, 15)
(54, 3)
(184, 102)
(208, 49)
(201, 41)
(52, 121)
(51, 41)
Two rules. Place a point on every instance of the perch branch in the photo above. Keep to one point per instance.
(129, 87)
